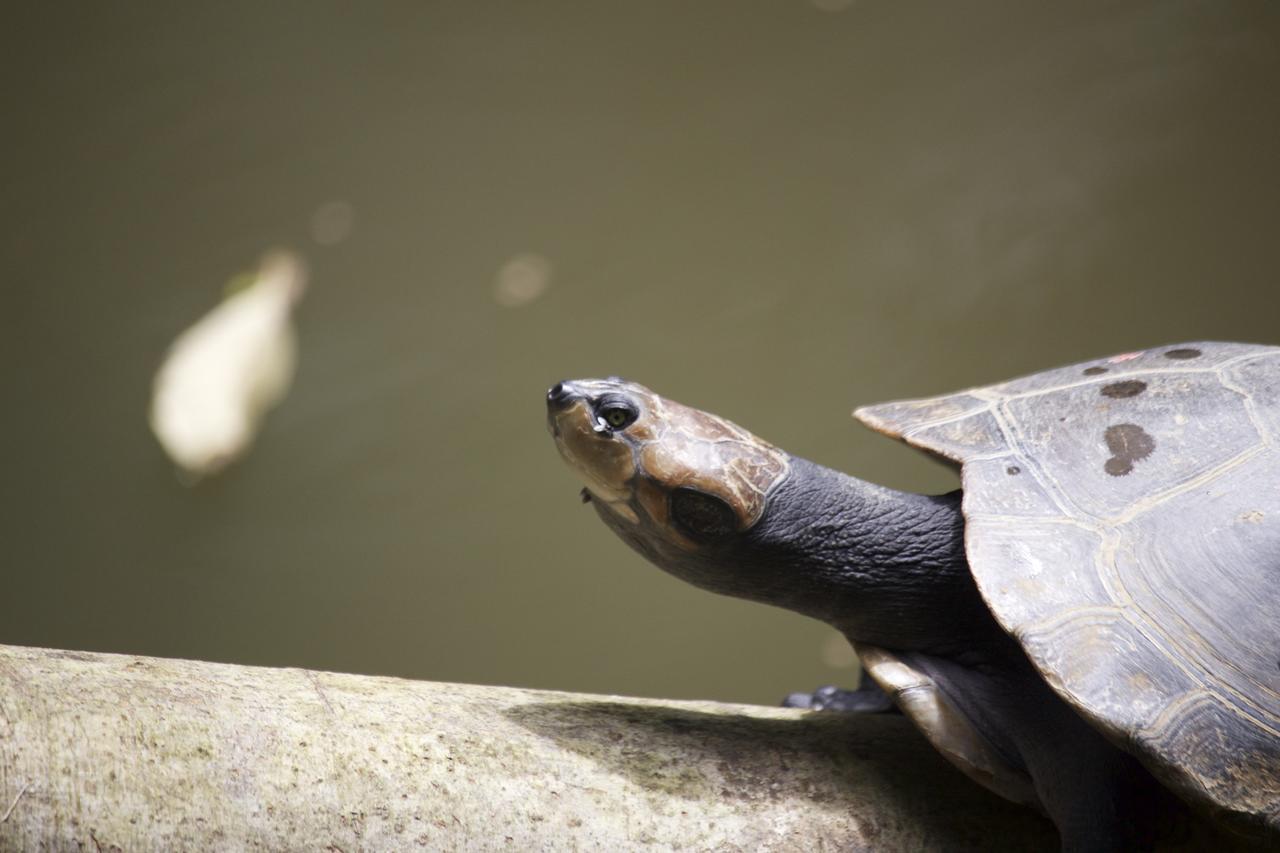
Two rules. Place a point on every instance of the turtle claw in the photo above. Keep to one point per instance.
(867, 699)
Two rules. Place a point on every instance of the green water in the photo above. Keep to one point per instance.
(770, 210)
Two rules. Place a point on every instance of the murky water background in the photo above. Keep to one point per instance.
(774, 211)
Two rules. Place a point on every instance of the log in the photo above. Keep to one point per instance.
(114, 752)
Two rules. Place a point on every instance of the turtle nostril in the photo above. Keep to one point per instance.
(559, 393)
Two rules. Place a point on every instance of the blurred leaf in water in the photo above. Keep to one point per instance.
(521, 280)
(332, 223)
(222, 374)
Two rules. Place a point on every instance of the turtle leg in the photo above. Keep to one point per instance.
(868, 698)
(1099, 797)
(1092, 791)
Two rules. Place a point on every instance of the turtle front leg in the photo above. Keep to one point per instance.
(868, 698)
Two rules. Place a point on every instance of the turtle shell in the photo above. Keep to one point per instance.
(1123, 523)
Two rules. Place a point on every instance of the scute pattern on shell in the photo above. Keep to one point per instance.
(1123, 522)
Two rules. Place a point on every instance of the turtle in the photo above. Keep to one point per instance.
(1088, 625)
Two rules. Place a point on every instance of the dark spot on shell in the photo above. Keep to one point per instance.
(1120, 390)
(1128, 444)
(1013, 469)
(1094, 371)
(1183, 353)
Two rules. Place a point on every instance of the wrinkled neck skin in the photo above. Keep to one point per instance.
(883, 567)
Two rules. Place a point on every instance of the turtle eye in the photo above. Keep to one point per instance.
(617, 415)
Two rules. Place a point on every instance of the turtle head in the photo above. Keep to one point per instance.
(669, 479)
(712, 504)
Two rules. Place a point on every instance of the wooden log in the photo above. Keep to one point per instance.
(114, 752)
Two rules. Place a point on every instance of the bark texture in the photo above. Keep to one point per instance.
(112, 752)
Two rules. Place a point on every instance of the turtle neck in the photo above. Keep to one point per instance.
(883, 567)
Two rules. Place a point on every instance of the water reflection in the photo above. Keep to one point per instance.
(769, 211)
(521, 280)
(332, 223)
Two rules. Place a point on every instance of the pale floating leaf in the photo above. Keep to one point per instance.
(222, 374)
